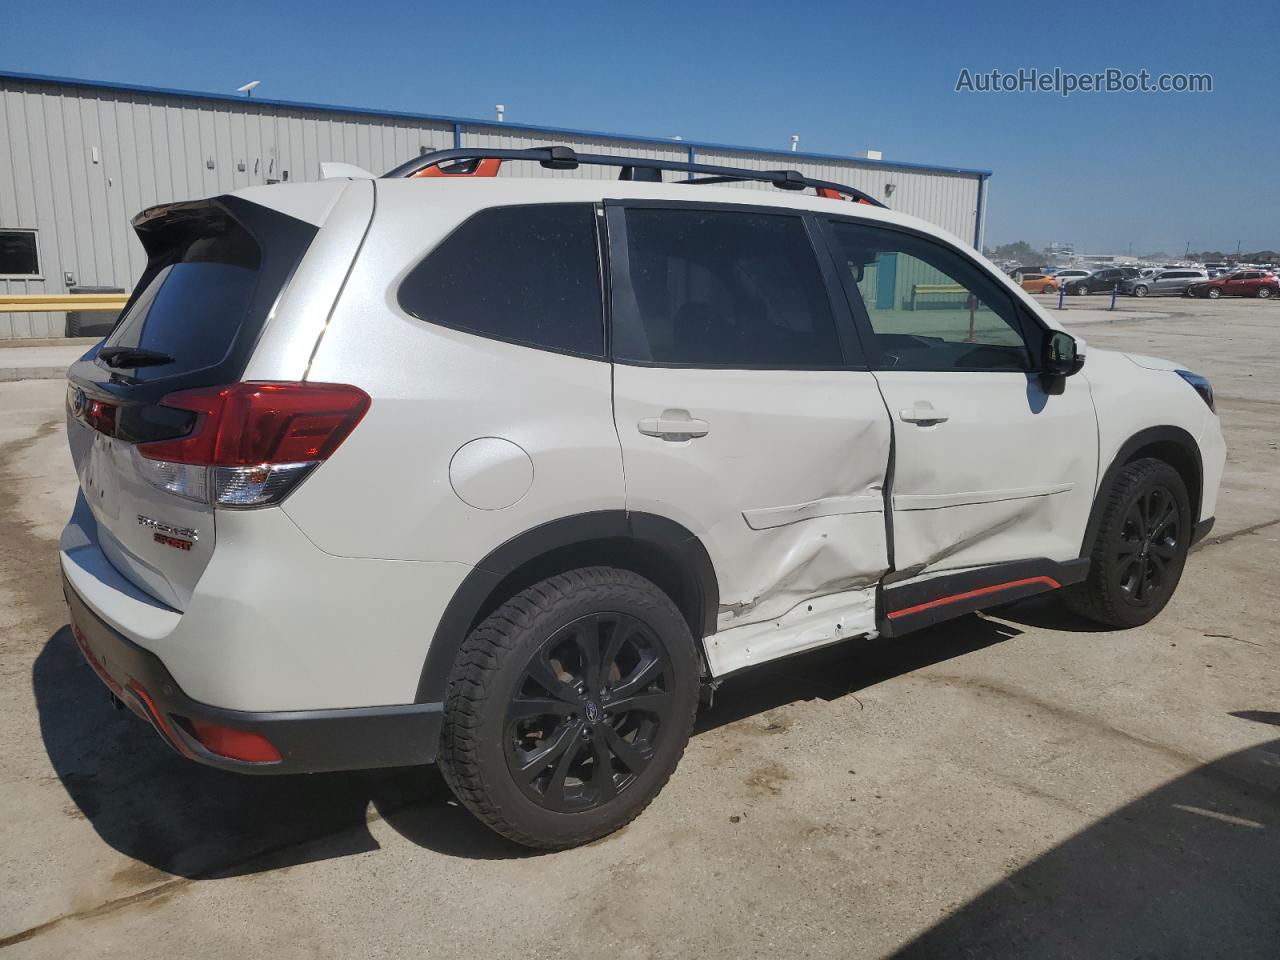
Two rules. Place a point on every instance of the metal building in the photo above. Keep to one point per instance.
(78, 158)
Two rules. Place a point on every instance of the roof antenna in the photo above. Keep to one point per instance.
(795, 142)
(501, 108)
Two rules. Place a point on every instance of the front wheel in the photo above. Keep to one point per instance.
(1264, 293)
(1214, 293)
(1080, 290)
(1140, 291)
(1140, 549)
(569, 707)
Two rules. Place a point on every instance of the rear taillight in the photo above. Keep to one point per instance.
(252, 443)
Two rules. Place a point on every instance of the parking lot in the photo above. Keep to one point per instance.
(1016, 784)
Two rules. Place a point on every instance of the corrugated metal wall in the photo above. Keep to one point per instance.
(949, 200)
(78, 161)
(152, 150)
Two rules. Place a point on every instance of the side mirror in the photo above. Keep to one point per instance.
(1062, 355)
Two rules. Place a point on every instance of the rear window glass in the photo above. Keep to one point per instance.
(711, 288)
(194, 304)
(526, 274)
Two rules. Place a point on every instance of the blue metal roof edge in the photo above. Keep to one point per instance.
(489, 124)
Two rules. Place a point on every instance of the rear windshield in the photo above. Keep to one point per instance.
(193, 300)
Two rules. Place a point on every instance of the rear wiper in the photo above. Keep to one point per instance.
(133, 357)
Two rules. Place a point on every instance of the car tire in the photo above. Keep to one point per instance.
(1140, 549)
(1080, 290)
(1264, 293)
(1140, 290)
(1214, 293)
(72, 327)
(525, 695)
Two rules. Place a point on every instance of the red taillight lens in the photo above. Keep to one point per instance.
(262, 423)
(235, 744)
(101, 416)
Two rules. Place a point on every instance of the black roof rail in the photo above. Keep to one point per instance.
(556, 157)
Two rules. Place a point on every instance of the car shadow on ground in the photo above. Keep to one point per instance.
(1047, 612)
(194, 821)
(1186, 871)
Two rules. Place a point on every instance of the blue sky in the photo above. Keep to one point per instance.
(1100, 170)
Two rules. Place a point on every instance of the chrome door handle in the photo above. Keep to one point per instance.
(673, 425)
(923, 413)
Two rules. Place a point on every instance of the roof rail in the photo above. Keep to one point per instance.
(467, 161)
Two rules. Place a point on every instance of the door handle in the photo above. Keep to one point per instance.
(673, 425)
(923, 413)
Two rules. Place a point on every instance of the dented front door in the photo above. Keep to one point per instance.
(988, 467)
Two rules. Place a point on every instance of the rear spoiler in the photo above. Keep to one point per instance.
(332, 170)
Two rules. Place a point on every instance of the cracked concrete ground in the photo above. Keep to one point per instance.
(1015, 785)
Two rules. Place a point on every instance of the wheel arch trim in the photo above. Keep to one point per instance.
(675, 542)
(1148, 437)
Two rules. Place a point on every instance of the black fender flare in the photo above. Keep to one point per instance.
(1143, 438)
(676, 541)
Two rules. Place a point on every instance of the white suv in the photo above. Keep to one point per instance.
(503, 472)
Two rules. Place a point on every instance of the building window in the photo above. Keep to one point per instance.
(18, 254)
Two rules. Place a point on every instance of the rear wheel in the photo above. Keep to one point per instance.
(1140, 550)
(1264, 293)
(569, 707)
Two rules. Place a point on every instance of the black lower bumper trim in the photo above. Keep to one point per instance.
(916, 604)
(1202, 530)
(309, 741)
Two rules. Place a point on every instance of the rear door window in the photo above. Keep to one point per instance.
(524, 274)
(707, 288)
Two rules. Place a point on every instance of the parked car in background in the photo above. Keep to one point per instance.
(1241, 283)
(1062, 276)
(1162, 283)
(1101, 281)
(1039, 283)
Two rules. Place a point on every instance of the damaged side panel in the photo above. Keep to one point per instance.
(1008, 472)
(785, 488)
(807, 626)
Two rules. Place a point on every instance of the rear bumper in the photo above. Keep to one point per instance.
(308, 741)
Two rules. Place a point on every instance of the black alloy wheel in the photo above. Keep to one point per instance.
(1144, 527)
(1149, 544)
(569, 707)
(589, 711)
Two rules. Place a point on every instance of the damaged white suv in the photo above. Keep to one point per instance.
(499, 472)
